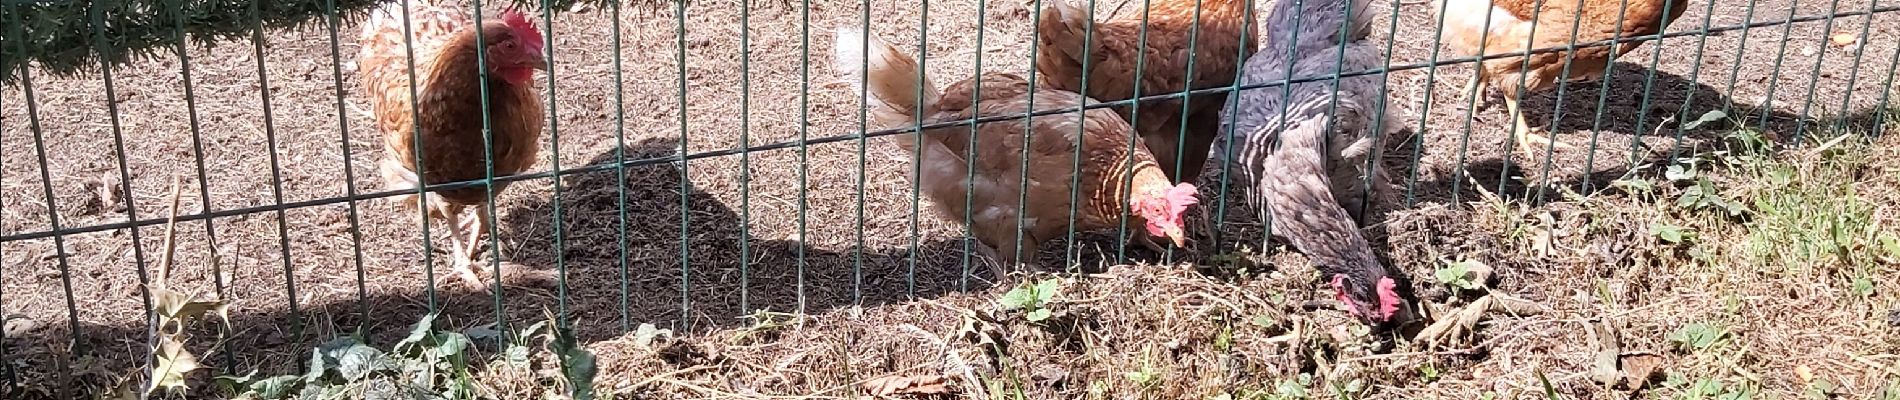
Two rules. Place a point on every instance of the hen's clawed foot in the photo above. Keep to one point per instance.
(470, 274)
(1462, 322)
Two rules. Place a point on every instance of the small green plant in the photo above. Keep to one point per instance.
(1145, 377)
(1710, 389)
(1034, 299)
(429, 363)
(1458, 275)
(1863, 287)
(1673, 234)
(1293, 389)
(1698, 336)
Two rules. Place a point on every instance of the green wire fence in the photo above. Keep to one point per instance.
(113, 39)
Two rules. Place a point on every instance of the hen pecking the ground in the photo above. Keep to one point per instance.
(1307, 151)
(1178, 54)
(433, 130)
(1011, 206)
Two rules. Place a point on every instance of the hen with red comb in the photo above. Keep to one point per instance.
(432, 122)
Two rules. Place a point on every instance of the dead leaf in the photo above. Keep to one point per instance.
(1843, 39)
(1638, 368)
(899, 384)
(171, 365)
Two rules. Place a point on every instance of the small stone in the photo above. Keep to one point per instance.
(1843, 39)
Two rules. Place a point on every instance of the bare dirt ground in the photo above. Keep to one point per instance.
(820, 234)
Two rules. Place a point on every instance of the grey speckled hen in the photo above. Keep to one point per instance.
(1308, 170)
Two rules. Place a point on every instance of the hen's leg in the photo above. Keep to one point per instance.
(460, 251)
(1527, 137)
(477, 228)
(1474, 88)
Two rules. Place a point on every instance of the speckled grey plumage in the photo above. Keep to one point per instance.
(1310, 171)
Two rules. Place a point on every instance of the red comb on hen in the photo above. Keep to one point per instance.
(1389, 300)
(523, 27)
(1180, 197)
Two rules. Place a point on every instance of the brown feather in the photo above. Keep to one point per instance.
(1224, 38)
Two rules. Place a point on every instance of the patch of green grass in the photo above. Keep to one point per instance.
(1808, 215)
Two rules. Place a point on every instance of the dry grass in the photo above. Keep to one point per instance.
(811, 251)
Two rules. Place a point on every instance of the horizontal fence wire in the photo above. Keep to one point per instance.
(622, 161)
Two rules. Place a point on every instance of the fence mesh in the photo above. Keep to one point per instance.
(700, 165)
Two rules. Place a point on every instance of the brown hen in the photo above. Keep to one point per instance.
(1511, 31)
(1225, 37)
(443, 127)
(982, 176)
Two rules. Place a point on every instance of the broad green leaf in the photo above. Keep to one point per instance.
(1038, 315)
(577, 365)
(1678, 172)
(417, 334)
(1017, 298)
(1707, 117)
(276, 387)
(1046, 290)
(356, 363)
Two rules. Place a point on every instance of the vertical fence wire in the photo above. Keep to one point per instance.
(1425, 107)
(1695, 76)
(125, 190)
(745, 165)
(487, 208)
(1557, 106)
(1853, 74)
(554, 146)
(620, 179)
(349, 162)
(1741, 49)
(52, 207)
(415, 130)
(969, 178)
(1134, 135)
(685, 187)
(1649, 90)
(1227, 130)
(1187, 87)
(1882, 113)
(804, 136)
(276, 179)
(1070, 255)
(1267, 217)
(917, 137)
(198, 157)
(1379, 118)
(864, 24)
(1029, 132)
(1474, 98)
(1814, 75)
(1603, 96)
(1781, 53)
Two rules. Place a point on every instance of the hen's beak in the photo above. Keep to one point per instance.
(539, 62)
(1177, 236)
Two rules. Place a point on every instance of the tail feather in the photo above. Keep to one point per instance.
(895, 89)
